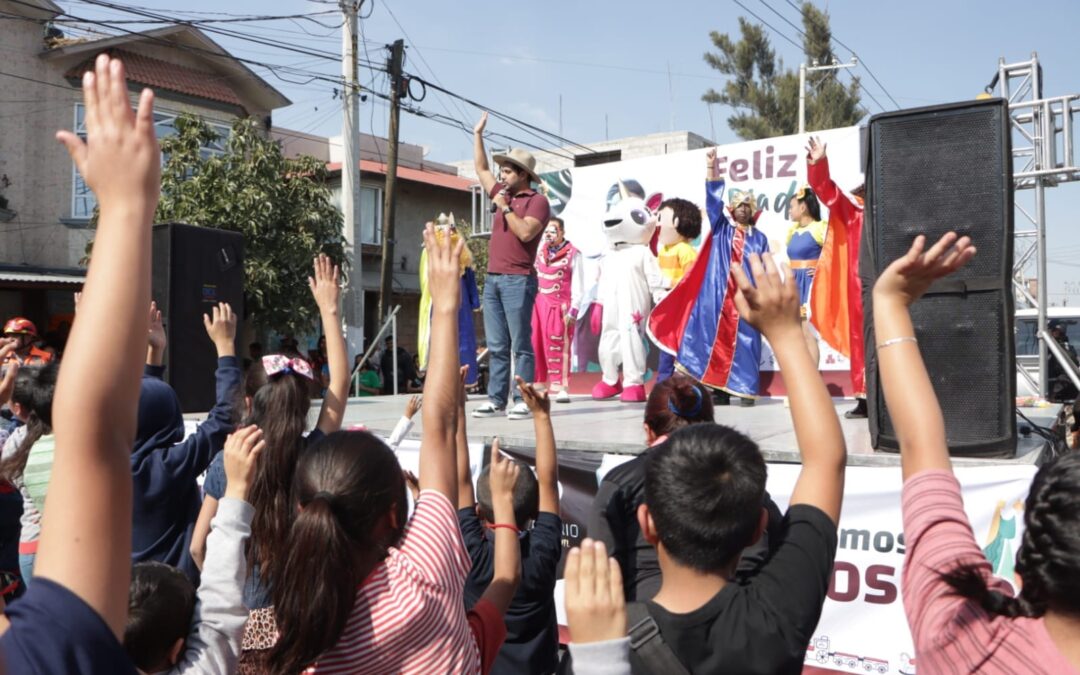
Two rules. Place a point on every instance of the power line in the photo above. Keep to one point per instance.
(768, 25)
(862, 61)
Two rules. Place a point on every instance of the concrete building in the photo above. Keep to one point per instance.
(44, 227)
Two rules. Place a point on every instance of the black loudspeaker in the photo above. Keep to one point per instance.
(931, 171)
(194, 269)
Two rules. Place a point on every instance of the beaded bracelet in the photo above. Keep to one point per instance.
(896, 341)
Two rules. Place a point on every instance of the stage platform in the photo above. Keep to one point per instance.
(586, 425)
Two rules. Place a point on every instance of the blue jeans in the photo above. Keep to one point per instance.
(508, 306)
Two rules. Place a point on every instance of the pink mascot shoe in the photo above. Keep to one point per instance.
(603, 390)
(635, 393)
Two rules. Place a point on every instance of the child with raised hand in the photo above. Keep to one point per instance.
(72, 616)
(532, 636)
(486, 615)
(165, 464)
(171, 627)
(360, 590)
(28, 453)
(278, 397)
(596, 611)
(962, 618)
(405, 424)
(705, 503)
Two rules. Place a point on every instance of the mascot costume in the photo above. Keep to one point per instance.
(629, 280)
(470, 302)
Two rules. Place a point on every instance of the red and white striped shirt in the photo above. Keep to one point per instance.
(953, 634)
(409, 615)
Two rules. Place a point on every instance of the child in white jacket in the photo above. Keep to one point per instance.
(172, 628)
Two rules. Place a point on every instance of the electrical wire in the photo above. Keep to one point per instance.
(862, 61)
(768, 25)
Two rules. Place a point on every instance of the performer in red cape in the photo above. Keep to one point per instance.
(836, 309)
(697, 322)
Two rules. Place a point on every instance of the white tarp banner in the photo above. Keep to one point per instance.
(773, 168)
(863, 628)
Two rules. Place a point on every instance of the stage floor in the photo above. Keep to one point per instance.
(614, 427)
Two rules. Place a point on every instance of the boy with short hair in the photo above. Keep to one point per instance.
(704, 504)
(532, 641)
(171, 627)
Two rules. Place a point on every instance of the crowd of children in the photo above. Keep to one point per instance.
(308, 554)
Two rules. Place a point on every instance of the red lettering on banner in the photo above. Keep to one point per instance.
(738, 170)
(847, 581)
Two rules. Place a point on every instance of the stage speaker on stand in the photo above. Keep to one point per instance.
(194, 268)
(930, 171)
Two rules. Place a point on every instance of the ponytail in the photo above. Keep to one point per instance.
(675, 403)
(318, 580)
(1048, 560)
(351, 495)
(34, 389)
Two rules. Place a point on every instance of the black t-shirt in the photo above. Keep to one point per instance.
(53, 631)
(764, 623)
(613, 520)
(532, 634)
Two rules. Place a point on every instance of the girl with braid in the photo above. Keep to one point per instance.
(964, 619)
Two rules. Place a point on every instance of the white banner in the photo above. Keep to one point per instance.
(773, 168)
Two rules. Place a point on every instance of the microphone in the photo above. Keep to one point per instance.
(494, 206)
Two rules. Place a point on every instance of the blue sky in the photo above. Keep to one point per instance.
(610, 63)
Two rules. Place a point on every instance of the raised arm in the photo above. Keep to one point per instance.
(466, 497)
(85, 540)
(506, 571)
(714, 190)
(913, 405)
(772, 306)
(817, 174)
(547, 461)
(326, 287)
(480, 160)
(156, 339)
(441, 389)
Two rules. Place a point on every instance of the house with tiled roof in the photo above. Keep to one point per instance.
(46, 207)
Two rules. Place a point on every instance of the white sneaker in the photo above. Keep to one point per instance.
(487, 410)
(562, 397)
(520, 411)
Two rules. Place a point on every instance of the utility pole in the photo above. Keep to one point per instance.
(397, 86)
(350, 176)
(813, 68)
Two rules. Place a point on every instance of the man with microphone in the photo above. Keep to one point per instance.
(510, 287)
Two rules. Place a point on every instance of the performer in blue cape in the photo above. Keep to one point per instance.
(697, 322)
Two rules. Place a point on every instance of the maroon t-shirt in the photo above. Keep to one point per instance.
(506, 253)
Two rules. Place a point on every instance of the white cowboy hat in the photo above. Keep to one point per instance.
(522, 159)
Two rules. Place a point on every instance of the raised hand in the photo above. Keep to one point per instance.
(11, 369)
(711, 171)
(412, 406)
(412, 482)
(325, 283)
(156, 336)
(503, 476)
(444, 272)
(770, 304)
(538, 401)
(909, 276)
(120, 159)
(242, 450)
(815, 150)
(221, 327)
(479, 128)
(595, 607)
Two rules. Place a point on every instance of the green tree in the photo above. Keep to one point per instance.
(765, 94)
(281, 205)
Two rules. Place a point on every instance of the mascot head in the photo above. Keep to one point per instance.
(629, 221)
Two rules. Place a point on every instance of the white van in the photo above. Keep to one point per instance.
(1027, 340)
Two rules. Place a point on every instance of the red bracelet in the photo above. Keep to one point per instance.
(507, 526)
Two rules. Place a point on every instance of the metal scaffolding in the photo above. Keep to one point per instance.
(1043, 156)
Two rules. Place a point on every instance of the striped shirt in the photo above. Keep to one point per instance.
(952, 634)
(409, 615)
